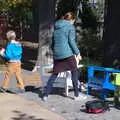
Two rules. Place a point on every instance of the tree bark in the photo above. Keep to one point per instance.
(111, 33)
(44, 20)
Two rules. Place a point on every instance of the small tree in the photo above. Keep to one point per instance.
(88, 32)
(18, 12)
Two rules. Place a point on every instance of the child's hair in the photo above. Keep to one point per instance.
(11, 35)
(69, 16)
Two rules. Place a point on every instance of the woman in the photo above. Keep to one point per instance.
(64, 51)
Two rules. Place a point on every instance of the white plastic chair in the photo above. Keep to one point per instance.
(63, 80)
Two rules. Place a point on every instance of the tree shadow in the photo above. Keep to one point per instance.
(34, 89)
(59, 91)
(23, 116)
(117, 107)
(40, 91)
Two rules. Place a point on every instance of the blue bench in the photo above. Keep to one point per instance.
(100, 78)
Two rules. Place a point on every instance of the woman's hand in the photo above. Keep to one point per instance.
(79, 57)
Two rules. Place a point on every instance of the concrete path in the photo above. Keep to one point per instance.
(15, 107)
(29, 106)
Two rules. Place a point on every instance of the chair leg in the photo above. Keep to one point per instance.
(66, 90)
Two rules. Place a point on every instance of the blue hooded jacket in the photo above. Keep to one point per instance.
(13, 51)
(63, 42)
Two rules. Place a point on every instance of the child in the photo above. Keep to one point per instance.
(13, 54)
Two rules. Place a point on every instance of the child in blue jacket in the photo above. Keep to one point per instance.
(13, 53)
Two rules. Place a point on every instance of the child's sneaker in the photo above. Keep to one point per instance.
(3, 89)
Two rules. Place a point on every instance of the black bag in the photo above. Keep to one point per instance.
(96, 106)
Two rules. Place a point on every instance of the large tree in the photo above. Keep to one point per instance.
(44, 17)
(111, 33)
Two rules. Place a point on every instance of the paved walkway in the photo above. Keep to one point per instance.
(15, 107)
(29, 106)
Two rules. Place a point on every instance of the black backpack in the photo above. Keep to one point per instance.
(96, 106)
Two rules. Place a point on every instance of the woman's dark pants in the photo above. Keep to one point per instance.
(54, 76)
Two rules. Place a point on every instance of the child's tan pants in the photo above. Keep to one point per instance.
(14, 68)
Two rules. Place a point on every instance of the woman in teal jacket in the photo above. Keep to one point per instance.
(64, 51)
(63, 43)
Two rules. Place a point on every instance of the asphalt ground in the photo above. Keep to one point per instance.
(59, 104)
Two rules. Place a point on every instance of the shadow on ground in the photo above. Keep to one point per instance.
(34, 89)
(40, 91)
(23, 116)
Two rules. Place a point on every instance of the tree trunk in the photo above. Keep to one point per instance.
(44, 20)
(112, 33)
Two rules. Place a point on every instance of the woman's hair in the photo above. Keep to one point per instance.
(69, 16)
(11, 35)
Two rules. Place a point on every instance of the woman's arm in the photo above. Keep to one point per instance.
(72, 42)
